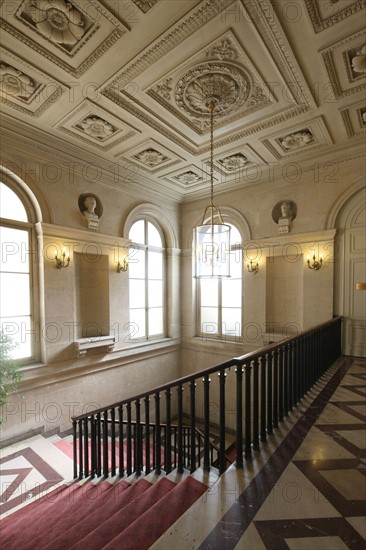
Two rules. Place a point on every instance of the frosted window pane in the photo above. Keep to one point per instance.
(153, 235)
(235, 237)
(136, 265)
(14, 293)
(19, 330)
(209, 292)
(137, 322)
(11, 206)
(231, 321)
(137, 293)
(14, 250)
(155, 262)
(137, 232)
(236, 266)
(155, 321)
(209, 320)
(155, 293)
(231, 293)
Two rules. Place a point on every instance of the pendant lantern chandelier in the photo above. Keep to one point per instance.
(212, 237)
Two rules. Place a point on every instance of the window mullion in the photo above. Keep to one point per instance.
(219, 317)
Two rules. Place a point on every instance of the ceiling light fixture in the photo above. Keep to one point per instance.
(212, 237)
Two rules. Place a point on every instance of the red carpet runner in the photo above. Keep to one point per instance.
(94, 517)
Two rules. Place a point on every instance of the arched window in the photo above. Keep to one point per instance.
(220, 300)
(16, 300)
(147, 280)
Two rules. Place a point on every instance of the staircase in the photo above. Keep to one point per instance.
(126, 514)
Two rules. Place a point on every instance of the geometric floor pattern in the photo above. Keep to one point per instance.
(305, 489)
(28, 470)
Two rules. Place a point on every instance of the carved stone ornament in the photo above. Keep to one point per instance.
(358, 61)
(223, 50)
(362, 115)
(96, 127)
(188, 178)
(145, 5)
(234, 162)
(58, 20)
(150, 157)
(297, 140)
(15, 83)
(226, 82)
(165, 88)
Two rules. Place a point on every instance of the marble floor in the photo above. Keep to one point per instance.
(304, 489)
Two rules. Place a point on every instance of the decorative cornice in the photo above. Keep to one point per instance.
(319, 24)
(281, 52)
(72, 234)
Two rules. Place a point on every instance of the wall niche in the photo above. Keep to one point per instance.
(92, 295)
(284, 295)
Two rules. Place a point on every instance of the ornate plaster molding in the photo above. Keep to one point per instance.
(16, 83)
(60, 22)
(145, 5)
(38, 112)
(125, 137)
(187, 26)
(328, 58)
(83, 67)
(320, 23)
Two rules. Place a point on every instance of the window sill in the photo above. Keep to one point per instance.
(83, 345)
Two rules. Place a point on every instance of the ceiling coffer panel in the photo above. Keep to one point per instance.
(72, 34)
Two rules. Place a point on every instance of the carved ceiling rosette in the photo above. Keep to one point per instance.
(96, 127)
(151, 157)
(58, 20)
(15, 83)
(222, 81)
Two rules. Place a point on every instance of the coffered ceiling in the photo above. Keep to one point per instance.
(127, 81)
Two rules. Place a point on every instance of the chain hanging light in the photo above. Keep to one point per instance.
(212, 237)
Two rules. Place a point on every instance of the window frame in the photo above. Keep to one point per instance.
(151, 248)
(29, 227)
(220, 335)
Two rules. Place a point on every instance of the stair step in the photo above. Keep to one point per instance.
(159, 517)
(122, 519)
(64, 512)
(121, 495)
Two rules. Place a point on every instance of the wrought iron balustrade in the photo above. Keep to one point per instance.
(257, 390)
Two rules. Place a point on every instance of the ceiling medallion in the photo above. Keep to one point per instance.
(212, 80)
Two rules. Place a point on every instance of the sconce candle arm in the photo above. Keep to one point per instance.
(316, 264)
(64, 261)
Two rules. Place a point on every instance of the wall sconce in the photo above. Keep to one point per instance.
(316, 264)
(63, 261)
(252, 268)
(121, 267)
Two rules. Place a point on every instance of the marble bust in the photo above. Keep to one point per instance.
(283, 214)
(286, 212)
(88, 205)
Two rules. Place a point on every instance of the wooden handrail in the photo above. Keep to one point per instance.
(233, 362)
